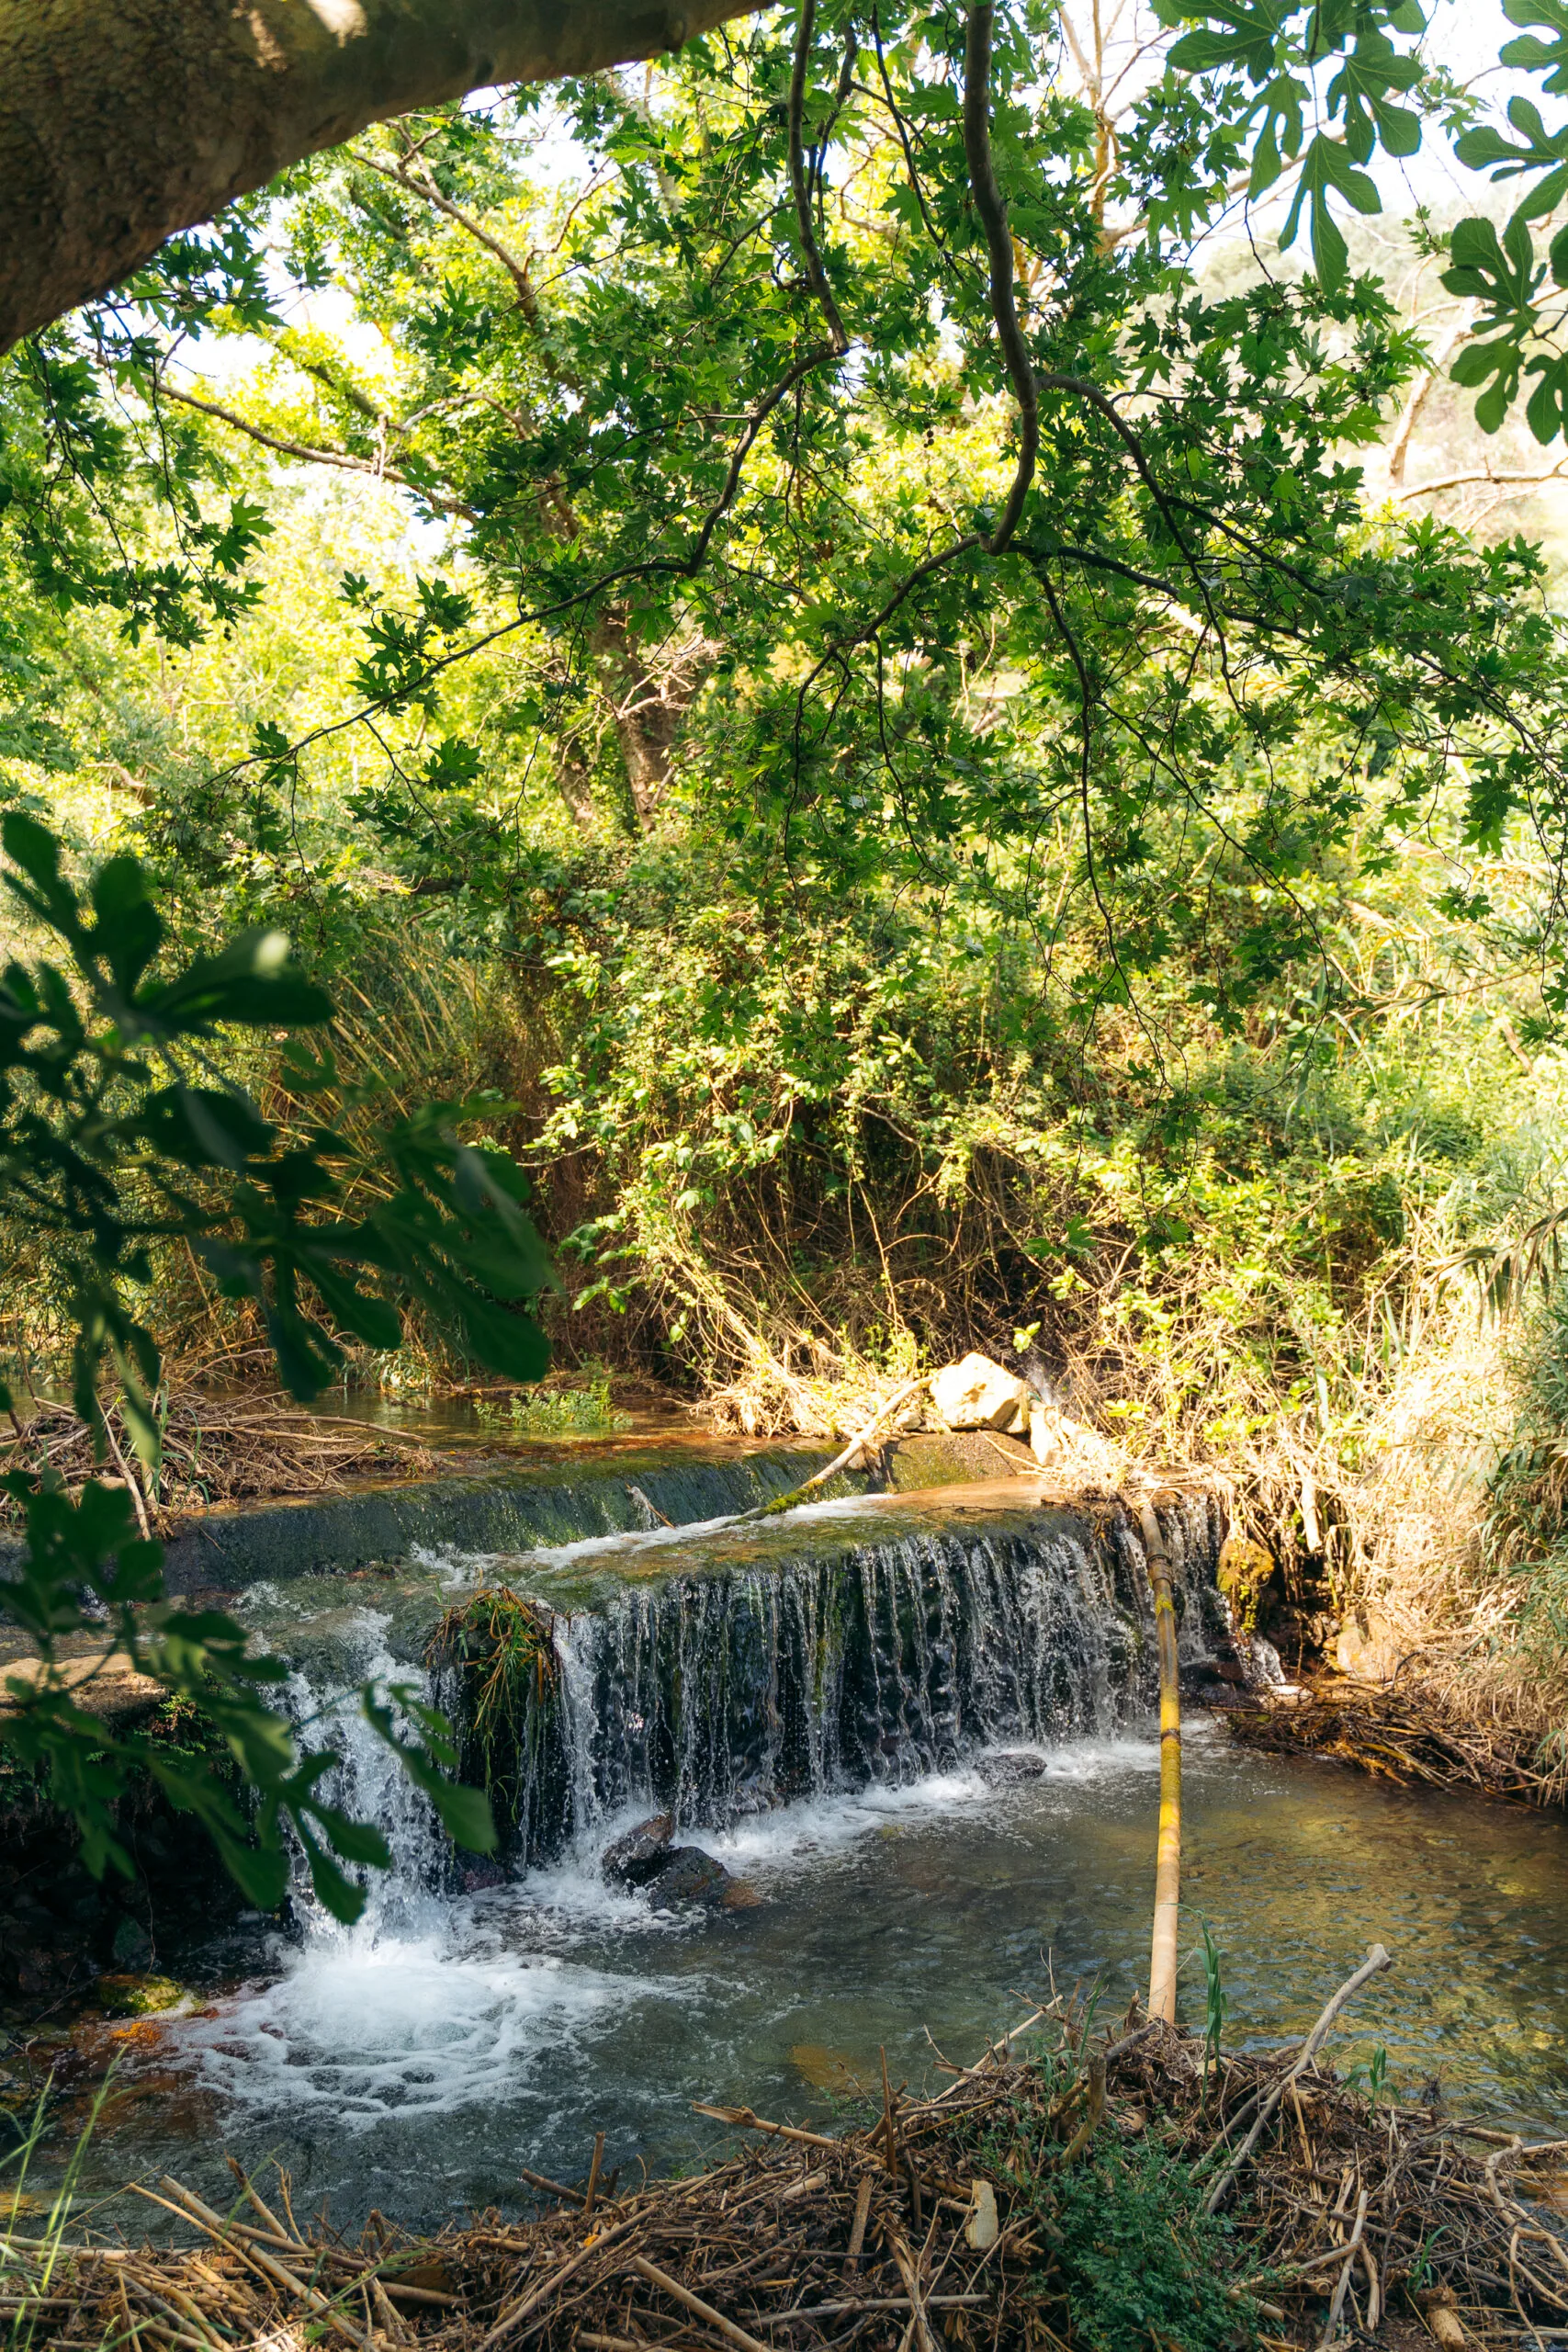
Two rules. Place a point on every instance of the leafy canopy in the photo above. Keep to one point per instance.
(846, 447)
(118, 1132)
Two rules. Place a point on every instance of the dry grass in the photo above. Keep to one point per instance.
(216, 1449)
(1410, 1733)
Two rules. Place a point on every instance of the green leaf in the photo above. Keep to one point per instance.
(1327, 166)
(252, 984)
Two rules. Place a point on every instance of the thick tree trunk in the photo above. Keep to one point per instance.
(123, 121)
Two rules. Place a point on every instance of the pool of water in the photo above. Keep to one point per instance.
(417, 2062)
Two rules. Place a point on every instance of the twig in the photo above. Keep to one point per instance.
(744, 2120)
(857, 2235)
(510, 2320)
(1342, 2283)
(1376, 1961)
(673, 2286)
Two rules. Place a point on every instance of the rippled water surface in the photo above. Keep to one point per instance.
(417, 2063)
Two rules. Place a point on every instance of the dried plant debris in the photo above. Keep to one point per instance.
(1407, 1734)
(1119, 2194)
(216, 1449)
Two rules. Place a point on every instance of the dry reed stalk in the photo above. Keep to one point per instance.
(219, 1449)
(809, 2247)
(1404, 1731)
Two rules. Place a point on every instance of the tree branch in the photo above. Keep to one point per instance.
(339, 457)
(1496, 481)
(425, 188)
(998, 245)
(815, 268)
(122, 121)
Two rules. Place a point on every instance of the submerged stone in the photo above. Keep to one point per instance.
(1011, 1769)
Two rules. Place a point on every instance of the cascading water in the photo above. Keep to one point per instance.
(714, 1698)
(724, 1691)
(816, 1698)
(805, 1686)
(368, 1784)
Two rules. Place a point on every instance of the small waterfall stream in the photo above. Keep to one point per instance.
(820, 1702)
(717, 1692)
(370, 1784)
(714, 1698)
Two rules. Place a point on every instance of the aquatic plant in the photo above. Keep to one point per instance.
(581, 1411)
(498, 1652)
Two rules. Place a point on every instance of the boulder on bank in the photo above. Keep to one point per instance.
(976, 1394)
(1369, 1648)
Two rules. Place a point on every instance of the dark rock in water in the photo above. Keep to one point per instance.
(740, 1895)
(132, 1947)
(1011, 1769)
(477, 1876)
(642, 1853)
(689, 1876)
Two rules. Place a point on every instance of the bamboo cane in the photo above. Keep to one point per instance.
(1168, 1857)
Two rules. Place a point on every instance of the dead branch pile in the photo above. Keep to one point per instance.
(1404, 1733)
(216, 1449)
(940, 2216)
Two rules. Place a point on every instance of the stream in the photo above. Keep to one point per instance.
(917, 1731)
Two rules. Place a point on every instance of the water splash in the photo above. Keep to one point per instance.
(370, 1784)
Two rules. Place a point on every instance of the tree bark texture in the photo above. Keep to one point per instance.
(124, 121)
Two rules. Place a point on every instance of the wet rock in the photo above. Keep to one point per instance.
(36, 1972)
(132, 1946)
(477, 1876)
(122, 1995)
(1011, 1769)
(642, 1853)
(976, 1394)
(740, 1895)
(689, 1876)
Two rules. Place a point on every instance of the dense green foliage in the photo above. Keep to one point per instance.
(794, 624)
(118, 1135)
(1125, 2243)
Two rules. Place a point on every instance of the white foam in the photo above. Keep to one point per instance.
(455, 1568)
(401, 2026)
(775, 1843)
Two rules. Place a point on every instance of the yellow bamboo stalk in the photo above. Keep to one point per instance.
(1168, 1853)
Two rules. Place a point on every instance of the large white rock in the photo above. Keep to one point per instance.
(978, 1394)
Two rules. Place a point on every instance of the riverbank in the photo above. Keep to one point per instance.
(1099, 2190)
(1404, 1732)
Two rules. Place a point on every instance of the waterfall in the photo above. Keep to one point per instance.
(714, 1692)
(831, 1668)
(370, 1784)
(715, 1695)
